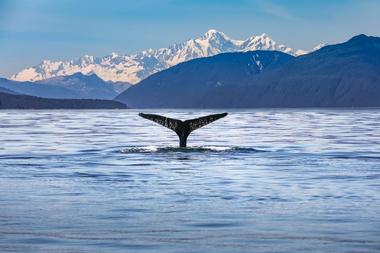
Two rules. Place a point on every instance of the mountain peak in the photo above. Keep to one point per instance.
(91, 75)
(114, 55)
(212, 34)
(212, 31)
(77, 75)
(86, 56)
(360, 38)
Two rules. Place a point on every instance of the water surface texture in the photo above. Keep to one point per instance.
(255, 181)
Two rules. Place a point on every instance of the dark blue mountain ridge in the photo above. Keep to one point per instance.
(38, 90)
(186, 84)
(75, 86)
(83, 86)
(4, 90)
(12, 101)
(341, 75)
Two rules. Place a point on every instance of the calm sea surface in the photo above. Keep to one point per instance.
(255, 181)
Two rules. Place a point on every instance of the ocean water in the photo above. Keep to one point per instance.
(255, 181)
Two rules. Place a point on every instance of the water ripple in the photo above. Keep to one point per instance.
(262, 180)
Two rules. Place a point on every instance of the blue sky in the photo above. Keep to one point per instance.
(33, 30)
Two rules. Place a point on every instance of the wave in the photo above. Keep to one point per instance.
(195, 149)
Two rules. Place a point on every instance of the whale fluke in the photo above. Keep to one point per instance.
(183, 128)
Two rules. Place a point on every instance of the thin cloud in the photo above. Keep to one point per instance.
(274, 9)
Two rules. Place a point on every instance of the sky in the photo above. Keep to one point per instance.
(34, 30)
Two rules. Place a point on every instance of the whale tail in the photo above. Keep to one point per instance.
(183, 128)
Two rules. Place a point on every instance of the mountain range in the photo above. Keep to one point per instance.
(136, 67)
(76, 86)
(17, 101)
(341, 75)
(7, 91)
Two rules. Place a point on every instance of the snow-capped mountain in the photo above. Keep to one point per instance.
(133, 68)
